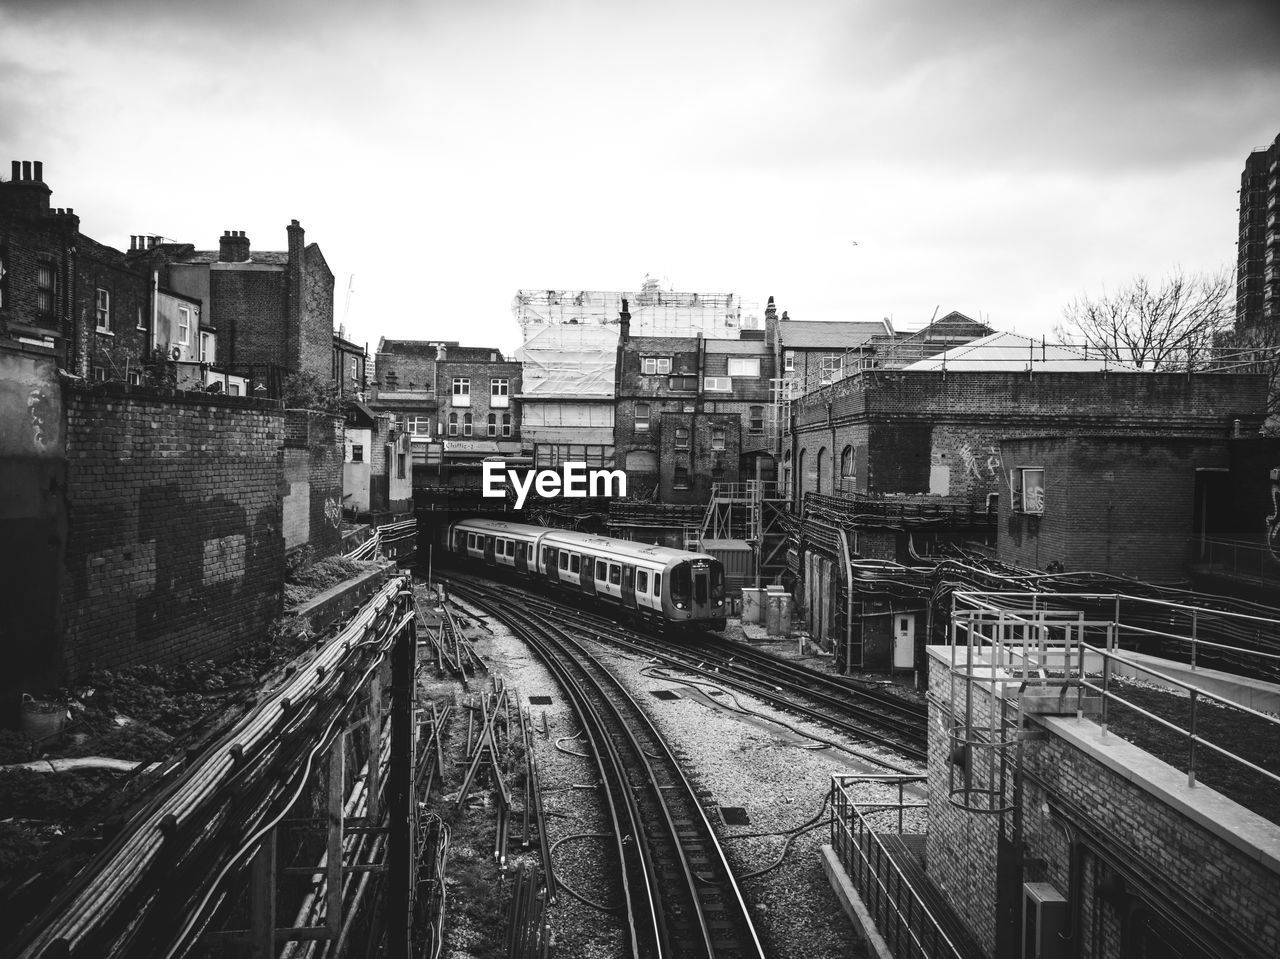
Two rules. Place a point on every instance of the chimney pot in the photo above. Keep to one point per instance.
(16, 169)
(39, 169)
(26, 169)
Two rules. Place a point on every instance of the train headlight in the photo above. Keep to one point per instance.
(719, 602)
(679, 605)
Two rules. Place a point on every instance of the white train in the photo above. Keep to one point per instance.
(669, 587)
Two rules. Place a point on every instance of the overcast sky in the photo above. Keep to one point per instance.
(997, 158)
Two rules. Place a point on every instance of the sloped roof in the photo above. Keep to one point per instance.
(270, 257)
(414, 347)
(822, 334)
(1012, 352)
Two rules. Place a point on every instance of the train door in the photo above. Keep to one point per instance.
(701, 605)
(629, 587)
(587, 575)
(488, 549)
(522, 556)
(552, 560)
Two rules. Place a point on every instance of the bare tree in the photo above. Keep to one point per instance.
(1170, 325)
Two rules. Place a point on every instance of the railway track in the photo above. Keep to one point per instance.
(862, 713)
(680, 895)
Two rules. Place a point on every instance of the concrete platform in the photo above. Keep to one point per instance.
(1254, 693)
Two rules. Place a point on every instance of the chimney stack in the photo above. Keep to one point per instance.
(441, 352)
(26, 193)
(624, 322)
(233, 247)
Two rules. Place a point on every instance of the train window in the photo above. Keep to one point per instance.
(615, 574)
(564, 560)
(642, 581)
(657, 584)
(717, 581)
(471, 541)
(575, 563)
(681, 584)
(602, 570)
(511, 547)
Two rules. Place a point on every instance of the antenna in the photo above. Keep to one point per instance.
(346, 308)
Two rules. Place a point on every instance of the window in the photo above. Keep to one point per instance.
(206, 348)
(357, 453)
(682, 438)
(657, 584)
(46, 288)
(615, 574)
(418, 425)
(99, 374)
(642, 581)
(184, 325)
(718, 384)
(788, 360)
(655, 365)
(392, 380)
(499, 393)
(400, 465)
(234, 389)
(142, 321)
(683, 383)
(511, 548)
(602, 570)
(846, 463)
(718, 438)
(462, 391)
(354, 371)
(564, 560)
(492, 424)
(1027, 492)
(506, 424)
(744, 366)
(832, 368)
(466, 424)
(102, 309)
(755, 422)
(575, 563)
(134, 378)
(681, 478)
(453, 424)
(642, 417)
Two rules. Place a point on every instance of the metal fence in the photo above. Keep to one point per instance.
(1237, 557)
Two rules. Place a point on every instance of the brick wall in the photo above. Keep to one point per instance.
(316, 318)
(1122, 505)
(311, 484)
(113, 354)
(248, 308)
(480, 373)
(1170, 861)
(175, 550)
(926, 432)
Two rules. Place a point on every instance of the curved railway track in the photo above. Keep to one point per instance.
(848, 706)
(680, 894)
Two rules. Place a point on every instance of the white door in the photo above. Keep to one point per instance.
(904, 640)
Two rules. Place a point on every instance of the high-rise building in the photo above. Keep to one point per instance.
(1258, 247)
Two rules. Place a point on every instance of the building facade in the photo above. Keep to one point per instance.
(1258, 244)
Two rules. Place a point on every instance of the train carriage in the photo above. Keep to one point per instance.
(667, 586)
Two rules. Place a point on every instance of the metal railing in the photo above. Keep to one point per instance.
(908, 926)
(1237, 557)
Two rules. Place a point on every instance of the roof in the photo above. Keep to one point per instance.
(820, 334)
(1012, 352)
(272, 257)
(414, 347)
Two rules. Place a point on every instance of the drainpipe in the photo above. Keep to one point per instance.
(846, 560)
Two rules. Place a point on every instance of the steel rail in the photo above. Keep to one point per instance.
(685, 907)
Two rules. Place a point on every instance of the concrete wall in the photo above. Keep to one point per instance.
(311, 488)
(175, 550)
(355, 476)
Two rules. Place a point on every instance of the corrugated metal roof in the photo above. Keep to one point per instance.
(821, 334)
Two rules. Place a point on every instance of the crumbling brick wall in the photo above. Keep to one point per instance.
(175, 549)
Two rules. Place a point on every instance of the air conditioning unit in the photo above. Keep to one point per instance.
(1044, 921)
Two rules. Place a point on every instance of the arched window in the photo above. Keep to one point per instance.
(506, 424)
(466, 424)
(493, 424)
(817, 472)
(848, 470)
(453, 424)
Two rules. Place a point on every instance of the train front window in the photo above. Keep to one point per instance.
(681, 584)
(700, 587)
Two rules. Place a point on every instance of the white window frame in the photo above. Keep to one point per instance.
(184, 326)
(744, 366)
(507, 425)
(1018, 499)
(682, 442)
(642, 421)
(453, 424)
(719, 435)
(142, 321)
(491, 425)
(207, 338)
(102, 310)
(467, 425)
(461, 391)
(717, 384)
(788, 361)
(416, 424)
(499, 393)
(357, 452)
(655, 365)
(752, 428)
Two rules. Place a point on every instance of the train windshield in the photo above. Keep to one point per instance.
(681, 583)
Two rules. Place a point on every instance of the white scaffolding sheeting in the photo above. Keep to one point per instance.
(569, 361)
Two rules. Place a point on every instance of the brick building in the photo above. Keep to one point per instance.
(478, 414)
(377, 470)
(349, 368)
(404, 387)
(691, 412)
(270, 308)
(567, 393)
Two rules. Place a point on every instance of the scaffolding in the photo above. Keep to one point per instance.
(654, 311)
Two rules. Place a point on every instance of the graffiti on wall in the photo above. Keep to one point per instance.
(333, 512)
(979, 464)
(1272, 532)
